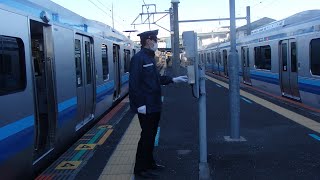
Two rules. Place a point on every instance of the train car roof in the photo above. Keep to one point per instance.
(291, 21)
(60, 15)
(296, 19)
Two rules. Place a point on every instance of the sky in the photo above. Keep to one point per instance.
(126, 11)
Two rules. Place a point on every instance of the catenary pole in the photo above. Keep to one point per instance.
(176, 50)
(234, 89)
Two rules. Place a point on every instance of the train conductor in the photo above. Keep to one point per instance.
(145, 99)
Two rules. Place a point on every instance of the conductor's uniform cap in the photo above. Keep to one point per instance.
(149, 35)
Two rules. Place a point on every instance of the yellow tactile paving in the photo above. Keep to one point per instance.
(121, 163)
(105, 137)
(304, 121)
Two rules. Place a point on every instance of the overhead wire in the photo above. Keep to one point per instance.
(110, 9)
(104, 12)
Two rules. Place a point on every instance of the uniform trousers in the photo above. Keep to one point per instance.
(149, 125)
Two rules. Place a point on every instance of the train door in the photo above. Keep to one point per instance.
(213, 62)
(288, 69)
(84, 80)
(44, 88)
(208, 62)
(117, 72)
(225, 62)
(218, 61)
(245, 65)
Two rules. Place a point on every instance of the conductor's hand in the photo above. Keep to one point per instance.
(142, 109)
(180, 79)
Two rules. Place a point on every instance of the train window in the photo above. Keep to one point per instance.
(202, 58)
(77, 51)
(208, 58)
(88, 61)
(12, 65)
(134, 51)
(315, 56)
(212, 57)
(105, 63)
(126, 60)
(284, 56)
(293, 57)
(262, 57)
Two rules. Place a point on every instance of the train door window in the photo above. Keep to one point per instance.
(284, 56)
(12, 65)
(243, 56)
(208, 58)
(225, 55)
(202, 58)
(262, 57)
(105, 63)
(212, 57)
(78, 62)
(315, 56)
(126, 60)
(88, 61)
(293, 57)
(217, 54)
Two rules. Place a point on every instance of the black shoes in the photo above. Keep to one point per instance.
(150, 173)
(147, 174)
(158, 167)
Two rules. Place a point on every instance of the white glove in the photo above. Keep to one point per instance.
(142, 109)
(180, 79)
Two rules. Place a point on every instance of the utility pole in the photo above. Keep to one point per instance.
(248, 21)
(175, 49)
(233, 69)
(234, 86)
(171, 33)
(112, 17)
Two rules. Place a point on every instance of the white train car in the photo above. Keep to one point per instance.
(282, 58)
(59, 72)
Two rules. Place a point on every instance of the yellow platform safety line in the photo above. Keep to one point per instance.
(105, 137)
(85, 147)
(64, 165)
(302, 120)
(105, 127)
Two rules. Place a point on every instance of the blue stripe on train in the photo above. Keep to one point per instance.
(107, 89)
(104, 90)
(264, 76)
(16, 127)
(67, 115)
(16, 143)
(67, 104)
(19, 135)
(125, 78)
(305, 84)
(67, 110)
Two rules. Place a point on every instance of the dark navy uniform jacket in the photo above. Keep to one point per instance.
(145, 81)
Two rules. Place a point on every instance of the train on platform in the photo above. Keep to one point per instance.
(59, 73)
(282, 58)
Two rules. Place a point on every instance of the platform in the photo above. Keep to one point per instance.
(282, 139)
